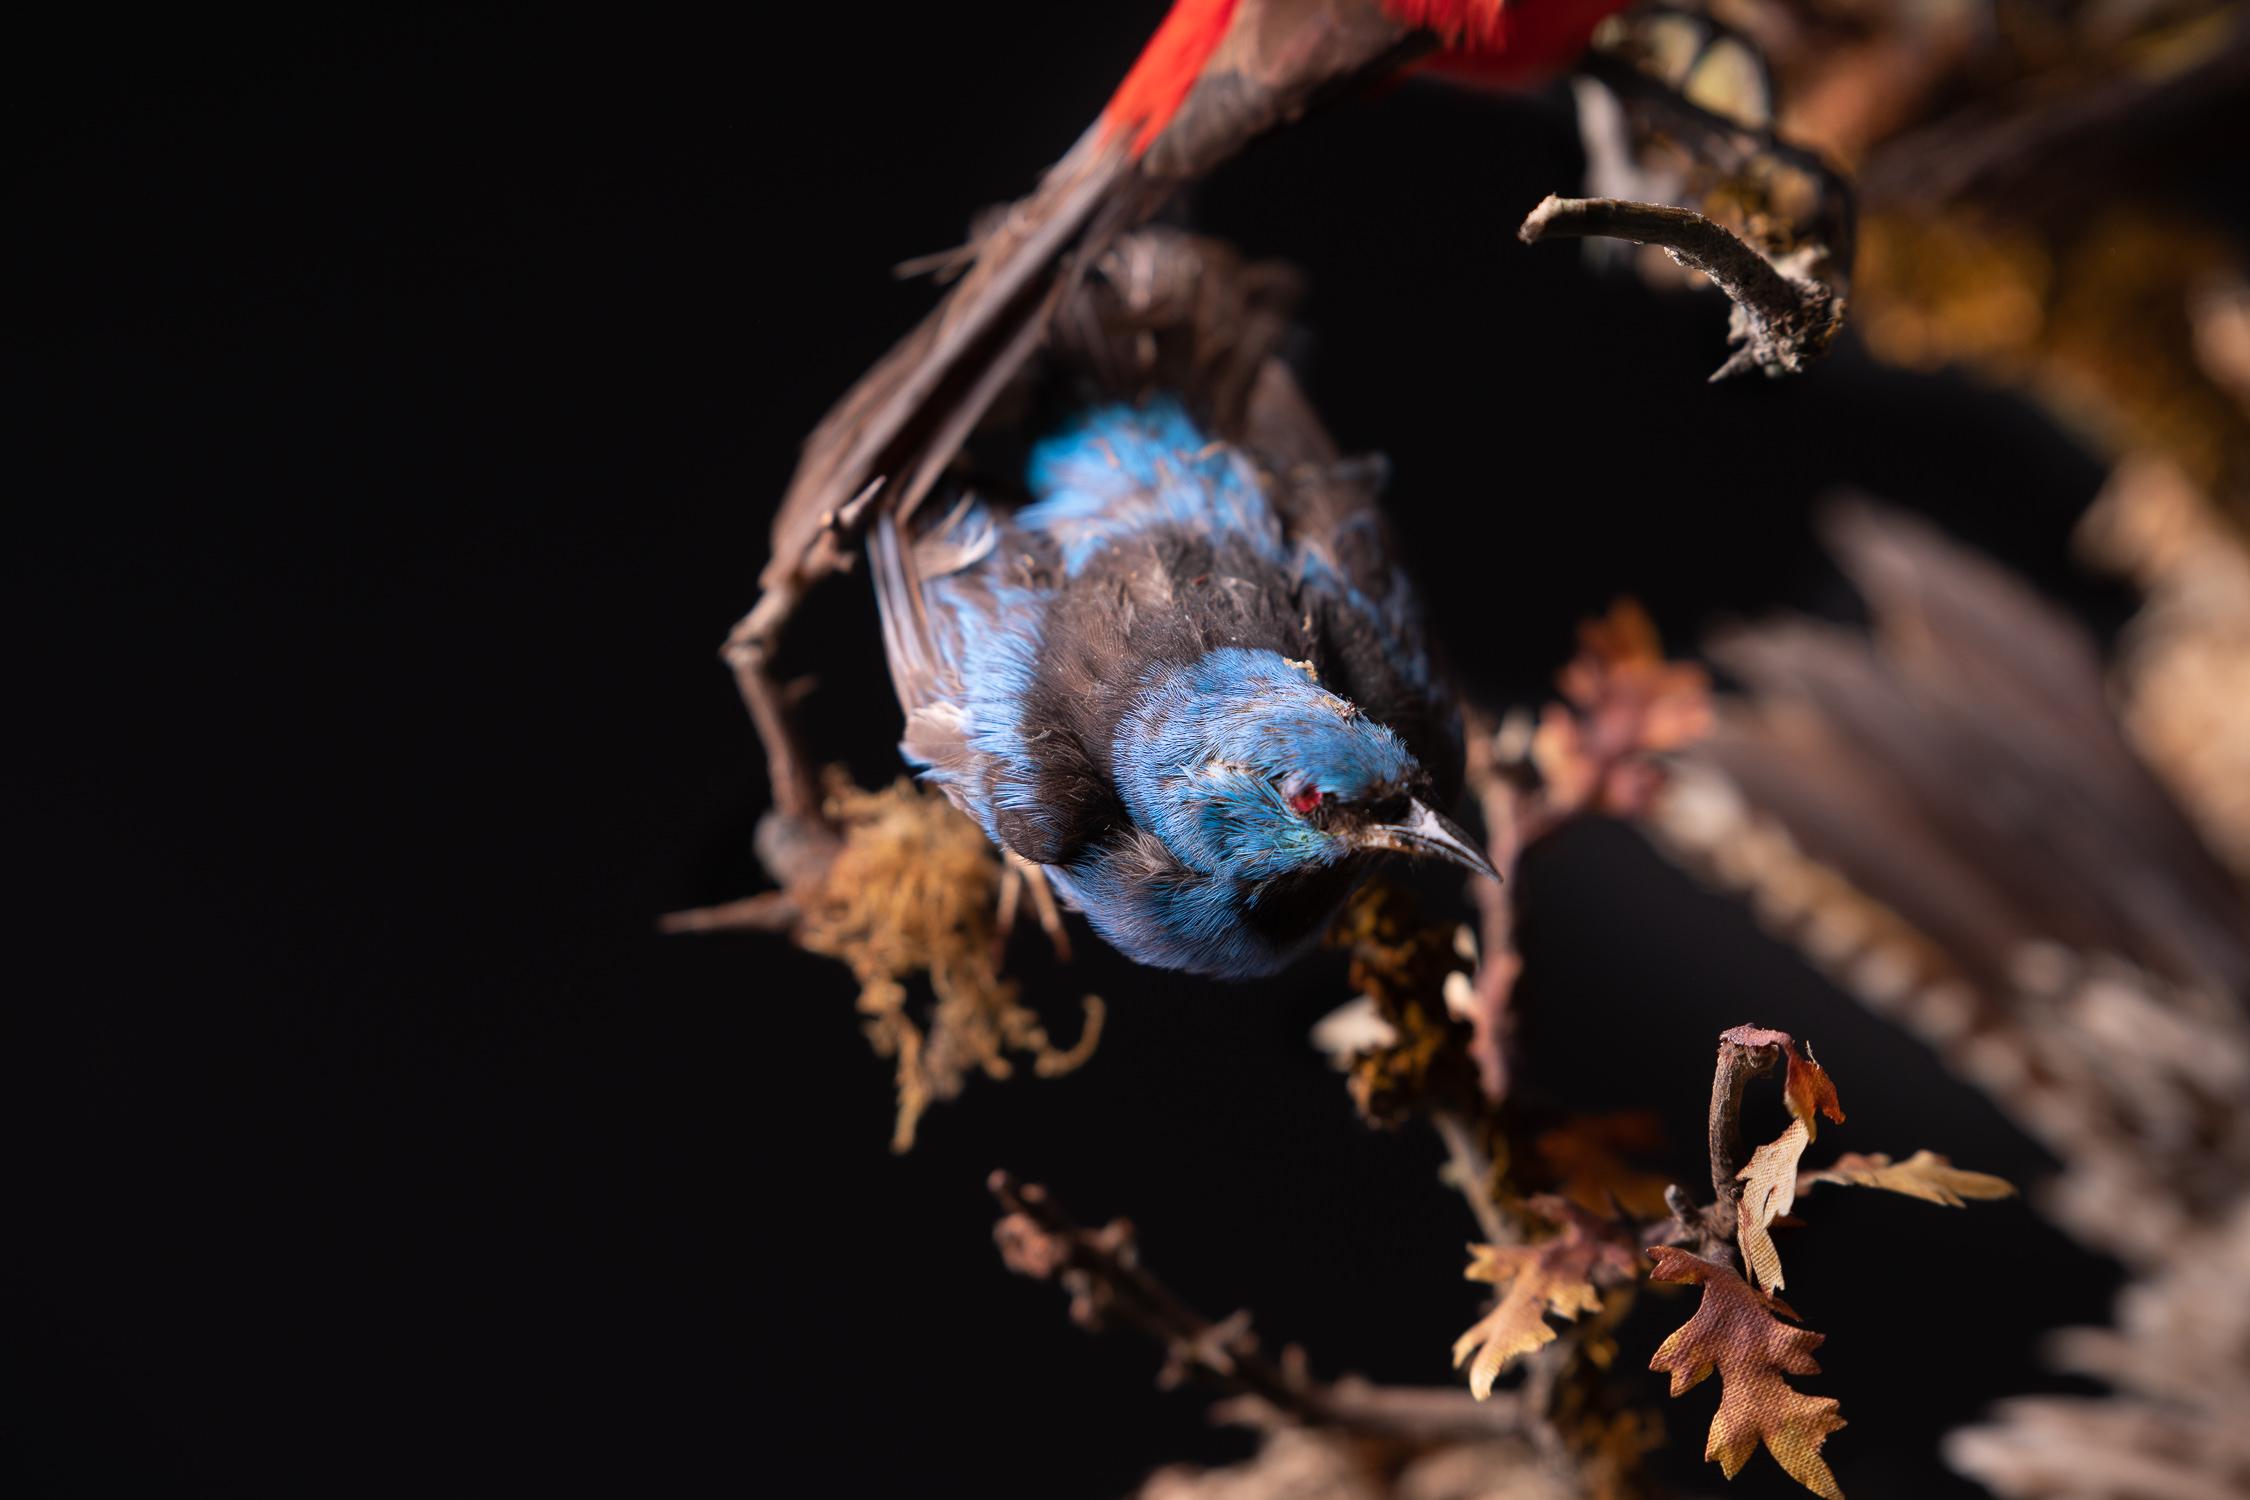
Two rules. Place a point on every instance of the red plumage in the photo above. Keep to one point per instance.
(1485, 41)
(1166, 69)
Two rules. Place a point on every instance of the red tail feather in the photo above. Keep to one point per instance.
(1168, 67)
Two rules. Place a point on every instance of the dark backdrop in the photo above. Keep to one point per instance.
(397, 409)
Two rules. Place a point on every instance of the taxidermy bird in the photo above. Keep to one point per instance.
(1170, 662)
(1166, 658)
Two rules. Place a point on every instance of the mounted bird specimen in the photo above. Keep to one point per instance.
(1167, 659)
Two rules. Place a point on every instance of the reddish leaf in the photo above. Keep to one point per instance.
(1735, 1332)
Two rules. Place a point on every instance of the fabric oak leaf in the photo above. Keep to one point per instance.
(1770, 1180)
(1925, 1175)
(1589, 1160)
(1769, 1190)
(1556, 1275)
(1624, 702)
(1735, 1332)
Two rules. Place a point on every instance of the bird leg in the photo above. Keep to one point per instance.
(1019, 876)
(795, 839)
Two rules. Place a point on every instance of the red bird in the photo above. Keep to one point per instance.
(1216, 74)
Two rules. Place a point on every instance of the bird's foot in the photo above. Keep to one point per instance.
(1018, 876)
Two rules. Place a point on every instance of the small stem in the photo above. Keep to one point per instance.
(1103, 1272)
(768, 911)
(1472, 1170)
(1737, 1065)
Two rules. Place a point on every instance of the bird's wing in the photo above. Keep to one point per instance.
(963, 606)
(1351, 583)
(925, 642)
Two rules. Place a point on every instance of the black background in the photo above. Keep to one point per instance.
(398, 409)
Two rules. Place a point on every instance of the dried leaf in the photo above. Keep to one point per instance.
(1771, 1177)
(1400, 964)
(1925, 1175)
(1626, 703)
(1735, 1332)
(1589, 1160)
(1554, 1276)
(1809, 1090)
(912, 894)
(1769, 1189)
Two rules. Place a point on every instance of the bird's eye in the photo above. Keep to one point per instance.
(1305, 799)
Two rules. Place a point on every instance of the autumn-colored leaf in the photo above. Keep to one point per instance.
(1809, 1090)
(1769, 1188)
(1589, 1160)
(1770, 1179)
(1554, 1276)
(1625, 703)
(1735, 1332)
(1925, 1175)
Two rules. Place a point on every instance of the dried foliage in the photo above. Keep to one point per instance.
(1598, 750)
(1769, 1182)
(1556, 1275)
(911, 895)
(2184, 668)
(1925, 1175)
(1735, 1332)
(1623, 704)
(1416, 1054)
(1769, 1190)
(1589, 1160)
(2090, 976)
(1949, 815)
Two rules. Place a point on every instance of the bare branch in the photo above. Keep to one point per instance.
(1472, 1170)
(1737, 1065)
(1782, 320)
(1101, 1270)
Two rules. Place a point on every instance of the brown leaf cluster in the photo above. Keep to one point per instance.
(912, 893)
(1623, 702)
(1556, 1275)
(1589, 1160)
(1735, 1332)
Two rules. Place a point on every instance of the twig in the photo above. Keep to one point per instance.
(1784, 320)
(1101, 1269)
(1472, 1171)
(768, 911)
(1738, 1063)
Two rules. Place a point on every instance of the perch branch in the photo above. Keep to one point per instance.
(768, 911)
(1783, 320)
(1737, 1065)
(1709, 1228)
(1472, 1171)
(1101, 1270)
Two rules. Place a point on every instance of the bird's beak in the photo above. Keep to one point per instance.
(1427, 833)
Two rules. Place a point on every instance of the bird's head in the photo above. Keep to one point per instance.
(1243, 764)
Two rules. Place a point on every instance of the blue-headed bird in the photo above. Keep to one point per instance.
(1167, 656)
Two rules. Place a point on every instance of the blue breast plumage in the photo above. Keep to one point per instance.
(1191, 688)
